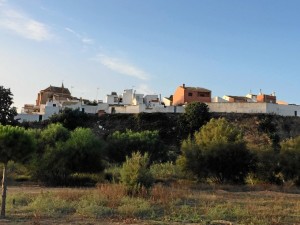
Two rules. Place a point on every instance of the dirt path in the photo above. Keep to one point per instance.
(81, 221)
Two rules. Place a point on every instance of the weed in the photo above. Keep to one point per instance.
(135, 207)
(49, 205)
(93, 205)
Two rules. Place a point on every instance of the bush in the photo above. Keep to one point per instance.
(93, 205)
(122, 144)
(135, 174)
(47, 204)
(62, 153)
(195, 116)
(290, 158)
(267, 166)
(218, 151)
(112, 173)
(135, 207)
(70, 118)
(166, 170)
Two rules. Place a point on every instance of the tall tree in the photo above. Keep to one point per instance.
(217, 150)
(196, 115)
(62, 152)
(15, 144)
(290, 158)
(7, 112)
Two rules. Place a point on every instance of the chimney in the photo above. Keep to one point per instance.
(183, 85)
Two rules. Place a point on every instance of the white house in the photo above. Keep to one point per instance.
(112, 99)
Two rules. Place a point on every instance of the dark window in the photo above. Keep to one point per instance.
(201, 94)
(54, 105)
(40, 117)
(82, 109)
(295, 113)
(113, 110)
(190, 94)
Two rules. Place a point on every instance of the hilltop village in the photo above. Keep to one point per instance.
(53, 99)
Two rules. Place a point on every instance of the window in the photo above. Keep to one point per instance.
(295, 113)
(190, 94)
(54, 105)
(201, 94)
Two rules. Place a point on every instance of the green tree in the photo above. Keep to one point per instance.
(267, 124)
(218, 132)
(217, 150)
(122, 144)
(135, 173)
(71, 119)
(85, 151)
(62, 153)
(195, 116)
(16, 144)
(290, 159)
(7, 113)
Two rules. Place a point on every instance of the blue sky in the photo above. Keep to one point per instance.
(153, 46)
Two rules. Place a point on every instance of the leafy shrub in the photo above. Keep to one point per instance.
(71, 119)
(63, 153)
(195, 116)
(218, 151)
(167, 170)
(135, 173)
(48, 205)
(267, 166)
(112, 173)
(290, 158)
(122, 144)
(135, 207)
(93, 205)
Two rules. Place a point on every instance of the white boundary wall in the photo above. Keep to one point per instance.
(27, 117)
(269, 108)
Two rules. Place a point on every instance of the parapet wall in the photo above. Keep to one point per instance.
(254, 107)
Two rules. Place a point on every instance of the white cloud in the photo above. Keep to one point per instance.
(121, 67)
(87, 41)
(72, 31)
(84, 40)
(22, 24)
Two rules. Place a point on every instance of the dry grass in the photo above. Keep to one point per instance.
(176, 203)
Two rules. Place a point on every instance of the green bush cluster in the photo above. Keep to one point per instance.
(62, 152)
(135, 173)
(218, 152)
(122, 144)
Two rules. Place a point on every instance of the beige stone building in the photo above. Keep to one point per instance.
(53, 93)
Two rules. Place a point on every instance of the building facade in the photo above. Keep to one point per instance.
(184, 95)
(53, 93)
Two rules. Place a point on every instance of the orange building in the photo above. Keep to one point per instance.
(59, 93)
(184, 95)
(266, 98)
